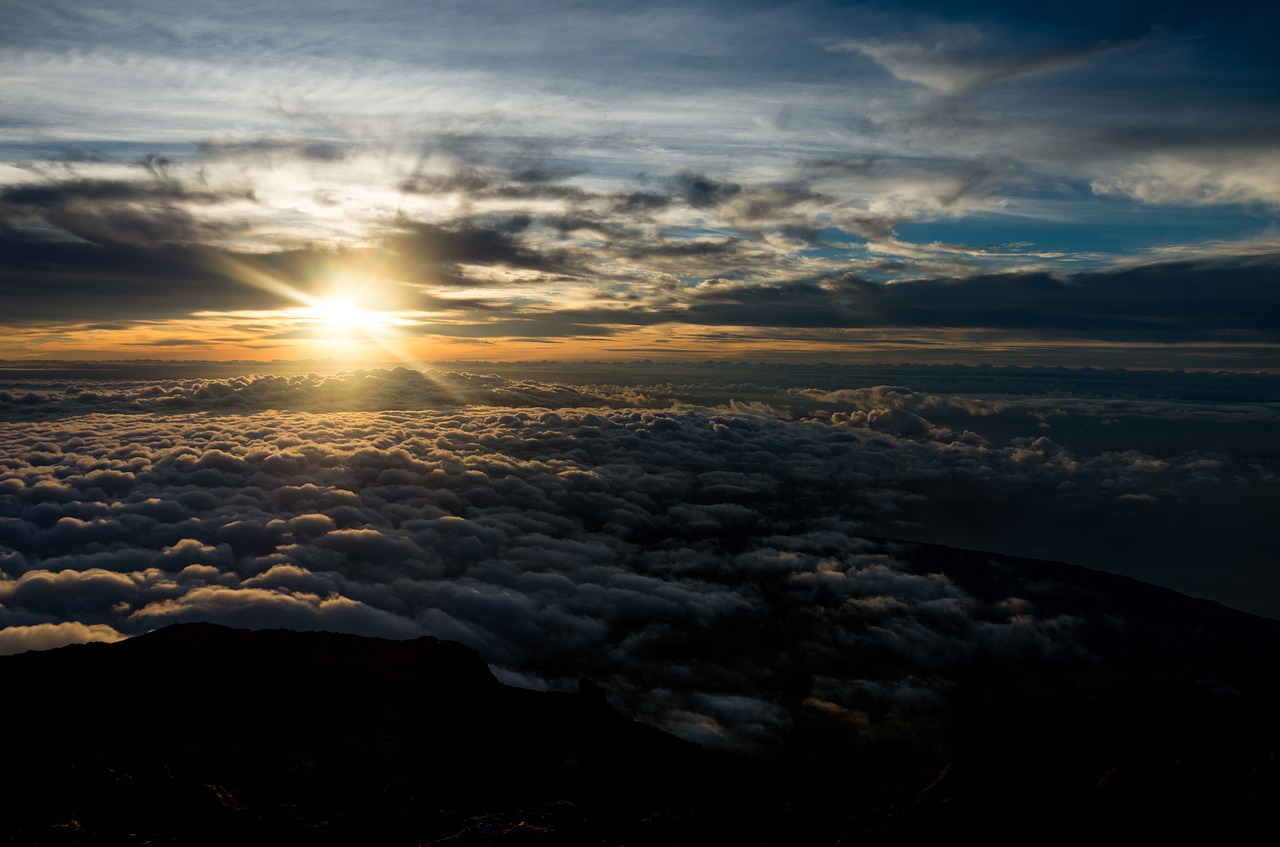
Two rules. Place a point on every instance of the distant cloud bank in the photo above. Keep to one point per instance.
(641, 535)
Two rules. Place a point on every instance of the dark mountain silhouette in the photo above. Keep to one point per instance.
(201, 734)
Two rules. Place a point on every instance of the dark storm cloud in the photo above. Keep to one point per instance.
(640, 546)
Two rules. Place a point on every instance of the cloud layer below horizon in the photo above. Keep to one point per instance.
(650, 537)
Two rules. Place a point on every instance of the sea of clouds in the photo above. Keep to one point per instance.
(717, 564)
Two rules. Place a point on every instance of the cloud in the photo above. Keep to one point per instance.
(270, 150)
(433, 248)
(808, 248)
(699, 180)
(57, 281)
(701, 191)
(1170, 302)
(954, 59)
(254, 608)
(696, 558)
(615, 117)
(46, 636)
(1213, 176)
(116, 211)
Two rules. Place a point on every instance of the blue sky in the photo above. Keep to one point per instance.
(570, 180)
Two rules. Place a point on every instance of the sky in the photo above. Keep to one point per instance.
(922, 182)
(638, 341)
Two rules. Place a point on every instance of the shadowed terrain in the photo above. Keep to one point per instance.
(1160, 722)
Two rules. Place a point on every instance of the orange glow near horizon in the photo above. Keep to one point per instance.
(341, 332)
(355, 312)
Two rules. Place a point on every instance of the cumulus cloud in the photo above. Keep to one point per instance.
(362, 389)
(46, 636)
(256, 608)
(713, 564)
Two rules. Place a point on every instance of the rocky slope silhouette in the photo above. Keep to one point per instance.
(200, 734)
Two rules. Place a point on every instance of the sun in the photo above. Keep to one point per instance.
(339, 316)
(336, 314)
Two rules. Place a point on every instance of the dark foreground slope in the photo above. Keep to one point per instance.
(1162, 722)
(199, 733)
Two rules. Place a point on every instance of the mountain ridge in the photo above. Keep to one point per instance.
(1159, 721)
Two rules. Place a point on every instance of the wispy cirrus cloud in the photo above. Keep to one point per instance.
(612, 155)
(956, 59)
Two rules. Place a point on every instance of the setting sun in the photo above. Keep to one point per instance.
(348, 311)
(878, 398)
(340, 316)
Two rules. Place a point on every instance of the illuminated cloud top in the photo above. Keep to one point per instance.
(924, 181)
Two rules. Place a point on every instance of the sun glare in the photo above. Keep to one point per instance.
(349, 315)
(340, 316)
(335, 314)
